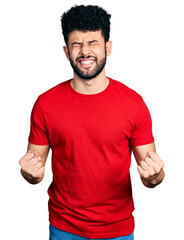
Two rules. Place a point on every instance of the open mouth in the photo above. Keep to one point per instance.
(86, 62)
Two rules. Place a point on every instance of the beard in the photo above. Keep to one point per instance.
(91, 74)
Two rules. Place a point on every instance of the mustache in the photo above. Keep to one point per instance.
(82, 57)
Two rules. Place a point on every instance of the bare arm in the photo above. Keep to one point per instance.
(33, 163)
(150, 165)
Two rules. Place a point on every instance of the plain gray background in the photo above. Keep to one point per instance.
(147, 55)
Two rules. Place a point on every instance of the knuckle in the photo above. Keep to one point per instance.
(36, 152)
(29, 154)
(42, 170)
(40, 162)
(38, 165)
(147, 159)
(41, 165)
(152, 173)
(23, 169)
(22, 160)
(34, 174)
(26, 170)
(141, 163)
(152, 154)
(157, 170)
(162, 164)
(146, 175)
(35, 161)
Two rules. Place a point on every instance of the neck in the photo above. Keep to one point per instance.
(91, 86)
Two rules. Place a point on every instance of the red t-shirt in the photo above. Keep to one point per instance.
(91, 137)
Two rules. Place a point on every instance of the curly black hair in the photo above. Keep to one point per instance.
(86, 18)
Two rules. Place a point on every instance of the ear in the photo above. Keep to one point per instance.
(109, 47)
(65, 48)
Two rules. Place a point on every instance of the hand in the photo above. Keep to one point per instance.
(32, 168)
(151, 169)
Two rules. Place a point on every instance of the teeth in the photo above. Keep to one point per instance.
(86, 62)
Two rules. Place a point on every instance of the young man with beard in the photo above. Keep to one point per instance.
(92, 123)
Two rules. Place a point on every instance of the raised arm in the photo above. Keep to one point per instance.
(150, 165)
(33, 163)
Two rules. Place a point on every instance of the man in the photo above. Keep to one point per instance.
(92, 123)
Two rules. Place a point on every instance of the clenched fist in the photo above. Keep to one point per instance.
(32, 168)
(151, 169)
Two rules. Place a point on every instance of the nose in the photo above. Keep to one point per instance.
(85, 49)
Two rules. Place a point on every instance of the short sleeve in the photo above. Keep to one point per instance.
(38, 131)
(142, 132)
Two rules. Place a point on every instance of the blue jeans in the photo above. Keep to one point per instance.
(57, 234)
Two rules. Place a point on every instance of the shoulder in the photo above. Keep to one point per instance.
(53, 93)
(126, 91)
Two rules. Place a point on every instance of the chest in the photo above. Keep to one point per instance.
(102, 122)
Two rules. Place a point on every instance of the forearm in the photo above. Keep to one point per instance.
(151, 183)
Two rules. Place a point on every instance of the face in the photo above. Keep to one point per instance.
(87, 52)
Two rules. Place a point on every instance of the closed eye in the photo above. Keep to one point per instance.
(93, 42)
(76, 43)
